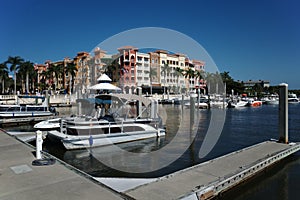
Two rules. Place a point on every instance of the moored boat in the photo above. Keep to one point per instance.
(48, 125)
(22, 111)
(237, 104)
(292, 98)
(117, 118)
(254, 103)
(78, 137)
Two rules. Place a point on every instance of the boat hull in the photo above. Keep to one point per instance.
(78, 137)
(80, 142)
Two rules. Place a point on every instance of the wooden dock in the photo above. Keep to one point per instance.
(209, 179)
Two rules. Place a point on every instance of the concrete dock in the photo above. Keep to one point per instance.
(207, 180)
(19, 179)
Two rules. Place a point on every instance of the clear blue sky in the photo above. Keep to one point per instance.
(257, 39)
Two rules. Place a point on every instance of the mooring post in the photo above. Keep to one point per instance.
(192, 109)
(79, 112)
(39, 144)
(47, 99)
(283, 113)
(139, 103)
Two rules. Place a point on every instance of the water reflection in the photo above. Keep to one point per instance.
(185, 148)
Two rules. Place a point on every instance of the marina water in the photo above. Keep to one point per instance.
(243, 127)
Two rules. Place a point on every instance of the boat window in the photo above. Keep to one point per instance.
(99, 131)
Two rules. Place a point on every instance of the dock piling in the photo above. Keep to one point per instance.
(79, 112)
(283, 113)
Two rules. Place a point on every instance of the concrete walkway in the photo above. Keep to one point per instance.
(19, 179)
(208, 179)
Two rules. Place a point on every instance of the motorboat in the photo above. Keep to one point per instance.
(48, 125)
(78, 137)
(270, 99)
(272, 102)
(292, 98)
(203, 103)
(22, 111)
(254, 102)
(117, 118)
(237, 103)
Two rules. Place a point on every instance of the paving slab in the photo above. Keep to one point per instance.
(19, 179)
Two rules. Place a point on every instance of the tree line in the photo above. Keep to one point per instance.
(28, 80)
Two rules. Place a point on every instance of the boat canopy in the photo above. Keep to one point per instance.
(126, 97)
(104, 86)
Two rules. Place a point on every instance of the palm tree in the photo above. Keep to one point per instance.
(210, 80)
(3, 75)
(198, 74)
(198, 77)
(164, 70)
(57, 70)
(152, 73)
(110, 68)
(33, 74)
(15, 62)
(189, 74)
(26, 68)
(228, 80)
(71, 69)
(45, 75)
(178, 73)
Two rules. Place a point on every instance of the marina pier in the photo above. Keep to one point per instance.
(207, 180)
(20, 179)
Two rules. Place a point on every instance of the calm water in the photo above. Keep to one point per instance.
(242, 128)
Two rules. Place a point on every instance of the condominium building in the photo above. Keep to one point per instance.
(127, 62)
(83, 79)
(130, 69)
(99, 67)
(143, 69)
(170, 77)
